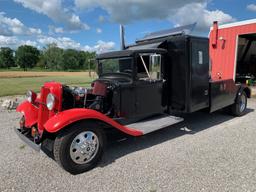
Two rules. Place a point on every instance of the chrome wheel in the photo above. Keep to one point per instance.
(84, 147)
(242, 102)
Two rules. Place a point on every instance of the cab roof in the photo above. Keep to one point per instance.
(129, 53)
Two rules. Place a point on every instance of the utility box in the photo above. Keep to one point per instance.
(187, 71)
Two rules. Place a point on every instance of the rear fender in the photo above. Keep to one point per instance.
(65, 118)
(246, 89)
(30, 113)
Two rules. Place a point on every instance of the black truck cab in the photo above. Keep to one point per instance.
(139, 74)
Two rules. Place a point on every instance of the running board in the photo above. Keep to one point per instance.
(156, 123)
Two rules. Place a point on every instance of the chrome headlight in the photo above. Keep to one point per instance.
(50, 101)
(31, 96)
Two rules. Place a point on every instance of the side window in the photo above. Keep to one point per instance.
(142, 67)
(149, 67)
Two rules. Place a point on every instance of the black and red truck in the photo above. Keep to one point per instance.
(138, 91)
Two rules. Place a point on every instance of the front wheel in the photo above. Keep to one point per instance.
(240, 105)
(79, 148)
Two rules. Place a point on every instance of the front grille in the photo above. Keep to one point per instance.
(43, 114)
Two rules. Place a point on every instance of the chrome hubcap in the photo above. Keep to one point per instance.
(84, 147)
(242, 103)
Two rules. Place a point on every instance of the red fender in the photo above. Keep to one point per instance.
(30, 113)
(62, 119)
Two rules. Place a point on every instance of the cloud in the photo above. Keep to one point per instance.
(99, 30)
(62, 42)
(68, 43)
(13, 26)
(198, 13)
(13, 42)
(28, 42)
(127, 11)
(251, 7)
(54, 10)
(53, 29)
(100, 47)
(8, 41)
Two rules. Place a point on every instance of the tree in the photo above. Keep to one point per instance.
(27, 56)
(6, 57)
(82, 59)
(53, 57)
(90, 64)
(70, 59)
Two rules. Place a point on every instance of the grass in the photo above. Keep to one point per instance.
(36, 69)
(18, 74)
(17, 83)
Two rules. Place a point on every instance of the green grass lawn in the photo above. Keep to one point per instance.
(38, 69)
(19, 86)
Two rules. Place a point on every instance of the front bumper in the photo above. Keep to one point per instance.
(26, 140)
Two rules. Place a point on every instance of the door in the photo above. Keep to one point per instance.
(199, 82)
(148, 97)
(149, 85)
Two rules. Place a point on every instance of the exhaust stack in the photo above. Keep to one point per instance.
(122, 41)
(215, 33)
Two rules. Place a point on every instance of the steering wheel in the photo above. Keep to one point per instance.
(127, 71)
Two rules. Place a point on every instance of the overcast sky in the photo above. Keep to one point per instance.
(93, 25)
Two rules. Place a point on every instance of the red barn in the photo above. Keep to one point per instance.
(233, 51)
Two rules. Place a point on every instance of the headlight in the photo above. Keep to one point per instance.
(50, 101)
(31, 96)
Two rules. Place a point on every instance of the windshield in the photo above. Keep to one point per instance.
(116, 65)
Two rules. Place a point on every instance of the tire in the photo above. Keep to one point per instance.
(239, 107)
(75, 149)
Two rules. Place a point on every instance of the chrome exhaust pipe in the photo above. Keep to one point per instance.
(122, 41)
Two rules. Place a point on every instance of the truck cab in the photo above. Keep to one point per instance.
(137, 79)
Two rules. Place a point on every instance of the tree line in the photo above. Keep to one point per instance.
(51, 57)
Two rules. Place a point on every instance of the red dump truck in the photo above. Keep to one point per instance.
(139, 89)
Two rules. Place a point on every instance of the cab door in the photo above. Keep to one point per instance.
(148, 97)
(148, 87)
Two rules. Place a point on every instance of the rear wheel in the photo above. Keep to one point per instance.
(240, 105)
(79, 148)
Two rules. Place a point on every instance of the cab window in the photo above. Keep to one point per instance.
(149, 66)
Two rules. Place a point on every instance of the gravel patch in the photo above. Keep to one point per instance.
(207, 152)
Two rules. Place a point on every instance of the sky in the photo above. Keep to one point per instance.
(93, 25)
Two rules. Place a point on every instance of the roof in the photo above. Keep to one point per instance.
(236, 24)
(128, 53)
(186, 29)
(152, 45)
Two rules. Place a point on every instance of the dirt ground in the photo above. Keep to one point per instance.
(206, 152)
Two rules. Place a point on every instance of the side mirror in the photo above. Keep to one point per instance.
(155, 66)
(155, 60)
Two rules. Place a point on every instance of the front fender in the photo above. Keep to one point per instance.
(62, 119)
(30, 113)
